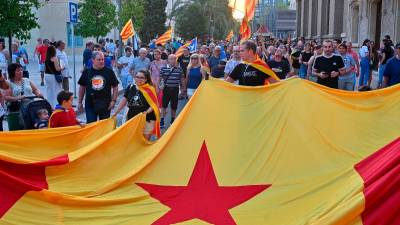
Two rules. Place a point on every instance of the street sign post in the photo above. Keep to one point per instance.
(73, 18)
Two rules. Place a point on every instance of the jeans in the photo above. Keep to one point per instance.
(303, 71)
(381, 70)
(92, 116)
(347, 82)
(364, 76)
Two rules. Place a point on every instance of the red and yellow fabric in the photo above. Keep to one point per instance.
(149, 93)
(179, 52)
(246, 8)
(260, 65)
(127, 31)
(163, 39)
(245, 30)
(308, 155)
(229, 36)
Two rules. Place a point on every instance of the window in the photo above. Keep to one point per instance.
(355, 20)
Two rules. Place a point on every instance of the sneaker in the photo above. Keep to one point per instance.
(162, 123)
(42, 83)
(172, 120)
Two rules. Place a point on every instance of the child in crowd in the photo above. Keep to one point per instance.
(43, 119)
(64, 115)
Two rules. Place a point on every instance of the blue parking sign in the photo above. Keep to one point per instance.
(73, 12)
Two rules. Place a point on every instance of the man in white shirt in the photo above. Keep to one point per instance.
(232, 63)
(123, 64)
(63, 58)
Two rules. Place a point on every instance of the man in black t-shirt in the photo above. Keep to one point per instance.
(278, 65)
(96, 83)
(328, 67)
(247, 72)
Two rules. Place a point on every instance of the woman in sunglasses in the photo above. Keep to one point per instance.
(142, 98)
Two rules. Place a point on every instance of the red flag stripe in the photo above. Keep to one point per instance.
(381, 175)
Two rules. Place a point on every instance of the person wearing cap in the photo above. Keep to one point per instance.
(391, 75)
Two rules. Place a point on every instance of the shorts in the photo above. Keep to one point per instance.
(41, 67)
(149, 127)
(170, 94)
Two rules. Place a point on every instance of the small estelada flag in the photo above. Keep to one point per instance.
(165, 37)
(127, 31)
(229, 36)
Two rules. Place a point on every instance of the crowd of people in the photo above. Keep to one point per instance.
(154, 79)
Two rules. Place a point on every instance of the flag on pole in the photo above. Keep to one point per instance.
(245, 30)
(163, 39)
(229, 37)
(191, 45)
(309, 155)
(243, 8)
(127, 31)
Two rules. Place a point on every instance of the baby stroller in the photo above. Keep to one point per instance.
(26, 115)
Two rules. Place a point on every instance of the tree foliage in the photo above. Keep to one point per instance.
(97, 18)
(218, 17)
(155, 18)
(18, 19)
(191, 22)
(133, 9)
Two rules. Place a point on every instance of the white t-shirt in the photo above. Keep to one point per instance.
(63, 58)
(363, 51)
(231, 65)
(124, 60)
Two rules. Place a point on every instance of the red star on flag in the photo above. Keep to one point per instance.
(202, 198)
(17, 179)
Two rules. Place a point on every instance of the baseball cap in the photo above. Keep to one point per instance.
(397, 46)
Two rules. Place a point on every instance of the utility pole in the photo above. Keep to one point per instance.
(119, 6)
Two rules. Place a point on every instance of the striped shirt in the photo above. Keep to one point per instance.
(172, 76)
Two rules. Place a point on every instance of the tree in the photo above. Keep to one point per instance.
(19, 19)
(155, 17)
(191, 22)
(97, 18)
(218, 16)
(133, 9)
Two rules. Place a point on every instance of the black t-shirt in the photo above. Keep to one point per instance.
(184, 62)
(389, 52)
(248, 75)
(137, 103)
(98, 84)
(296, 63)
(306, 56)
(328, 65)
(281, 68)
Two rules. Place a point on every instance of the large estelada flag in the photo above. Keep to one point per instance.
(163, 39)
(127, 31)
(243, 8)
(293, 153)
(245, 30)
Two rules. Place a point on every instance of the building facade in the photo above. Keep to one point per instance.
(350, 20)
